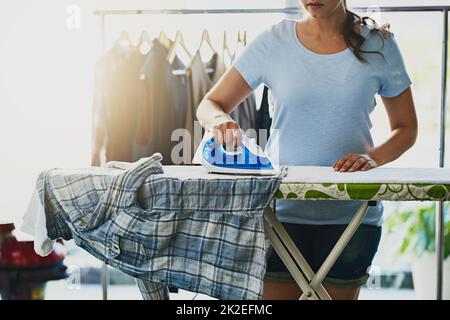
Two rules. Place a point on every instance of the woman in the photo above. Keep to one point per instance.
(323, 72)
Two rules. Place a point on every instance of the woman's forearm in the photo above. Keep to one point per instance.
(210, 113)
(401, 139)
(222, 99)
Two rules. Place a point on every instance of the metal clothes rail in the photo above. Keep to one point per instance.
(291, 10)
(295, 10)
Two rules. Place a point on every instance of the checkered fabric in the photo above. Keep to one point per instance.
(152, 291)
(201, 235)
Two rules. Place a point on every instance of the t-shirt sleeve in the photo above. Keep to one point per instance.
(252, 62)
(396, 78)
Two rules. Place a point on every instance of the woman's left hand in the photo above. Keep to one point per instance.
(354, 162)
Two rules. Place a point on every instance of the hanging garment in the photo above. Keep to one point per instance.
(167, 228)
(217, 64)
(116, 102)
(245, 113)
(163, 103)
(263, 118)
(199, 83)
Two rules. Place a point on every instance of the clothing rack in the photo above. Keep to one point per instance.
(104, 13)
(296, 11)
(183, 72)
(290, 10)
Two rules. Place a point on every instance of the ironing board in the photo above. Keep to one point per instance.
(322, 183)
(315, 183)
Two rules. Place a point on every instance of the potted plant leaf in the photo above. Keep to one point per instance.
(417, 228)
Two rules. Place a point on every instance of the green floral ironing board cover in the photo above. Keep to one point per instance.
(388, 184)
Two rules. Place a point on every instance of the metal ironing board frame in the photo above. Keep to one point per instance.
(309, 282)
(295, 11)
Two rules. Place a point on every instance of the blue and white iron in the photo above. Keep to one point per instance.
(248, 158)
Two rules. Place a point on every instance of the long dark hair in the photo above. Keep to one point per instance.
(354, 40)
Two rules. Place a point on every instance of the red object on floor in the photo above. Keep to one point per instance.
(23, 273)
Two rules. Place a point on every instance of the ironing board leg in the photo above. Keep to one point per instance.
(290, 264)
(105, 281)
(340, 245)
(285, 239)
(285, 247)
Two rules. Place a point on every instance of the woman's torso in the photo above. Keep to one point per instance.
(322, 108)
(322, 102)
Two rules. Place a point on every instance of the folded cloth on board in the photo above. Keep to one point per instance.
(34, 220)
(201, 235)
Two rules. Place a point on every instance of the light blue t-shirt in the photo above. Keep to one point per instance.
(322, 107)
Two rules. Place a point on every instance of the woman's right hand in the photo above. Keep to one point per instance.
(228, 133)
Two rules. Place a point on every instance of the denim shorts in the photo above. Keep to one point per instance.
(315, 243)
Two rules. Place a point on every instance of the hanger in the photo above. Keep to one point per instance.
(124, 40)
(164, 40)
(187, 72)
(226, 50)
(144, 39)
(241, 42)
(179, 40)
(225, 43)
(205, 39)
